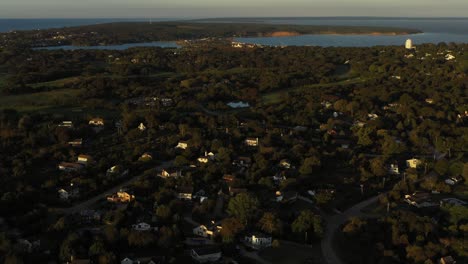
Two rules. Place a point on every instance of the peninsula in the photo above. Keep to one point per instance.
(135, 32)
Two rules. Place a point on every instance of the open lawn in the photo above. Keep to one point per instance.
(289, 252)
(39, 101)
(57, 83)
(278, 96)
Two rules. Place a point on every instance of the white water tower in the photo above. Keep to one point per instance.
(409, 44)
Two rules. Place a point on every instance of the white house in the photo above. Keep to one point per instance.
(84, 159)
(413, 163)
(142, 127)
(68, 167)
(393, 169)
(67, 124)
(285, 164)
(207, 231)
(185, 193)
(203, 159)
(206, 255)
(96, 122)
(68, 194)
(127, 261)
(170, 173)
(453, 180)
(141, 227)
(449, 57)
(251, 142)
(258, 240)
(146, 157)
(182, 145)
(113, 169)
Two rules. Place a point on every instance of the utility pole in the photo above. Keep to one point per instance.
(362, 189)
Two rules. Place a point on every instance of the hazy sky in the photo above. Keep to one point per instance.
(224, 8)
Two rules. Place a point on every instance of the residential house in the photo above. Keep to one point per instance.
(113, 169)
(449, 57)
(454, 180)
(258, 240)
(229, 178)
(69, 193)
(278, 178)
(142, 127)
(206, 254)
(142, 227)
(413, 163)
(84, 159)
(182, 145)
(251, 142)
(286, 197)
(285, 164)
(96, 122)
(203, 159)
(127, 261)
(166, 102)
(372, 116)
(170, 173)
(146, 157)
(420, 200)
(185, 192)
(429, 100)
(121, 197)
(393, 169)
(69, 167)
(66, 124)
(76, 142)
(209, 231)
(447, 260)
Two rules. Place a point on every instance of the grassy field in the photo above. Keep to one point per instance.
(39, 101)
(60, 83)
(278, 96)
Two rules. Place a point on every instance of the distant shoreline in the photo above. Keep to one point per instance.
(141, 32)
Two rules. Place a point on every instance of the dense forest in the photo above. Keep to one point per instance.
(327, 121)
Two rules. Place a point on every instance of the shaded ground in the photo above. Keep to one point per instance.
(280, 95)
(289, 252)
(39, 101)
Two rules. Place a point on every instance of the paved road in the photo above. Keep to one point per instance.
(334, 223)
(253, 255)
(88, 203)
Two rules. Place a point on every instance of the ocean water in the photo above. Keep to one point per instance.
(436, 30)
(7, 25)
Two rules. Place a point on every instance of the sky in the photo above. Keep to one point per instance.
(225, 8)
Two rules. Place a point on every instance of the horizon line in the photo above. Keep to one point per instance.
(249, 17)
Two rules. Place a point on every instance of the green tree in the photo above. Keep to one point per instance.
(270, 223)
(231, 228)
(307, 222)
(244, 206)
(309, 165)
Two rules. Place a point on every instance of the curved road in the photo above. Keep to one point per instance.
(88, 203)
(334, 223)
